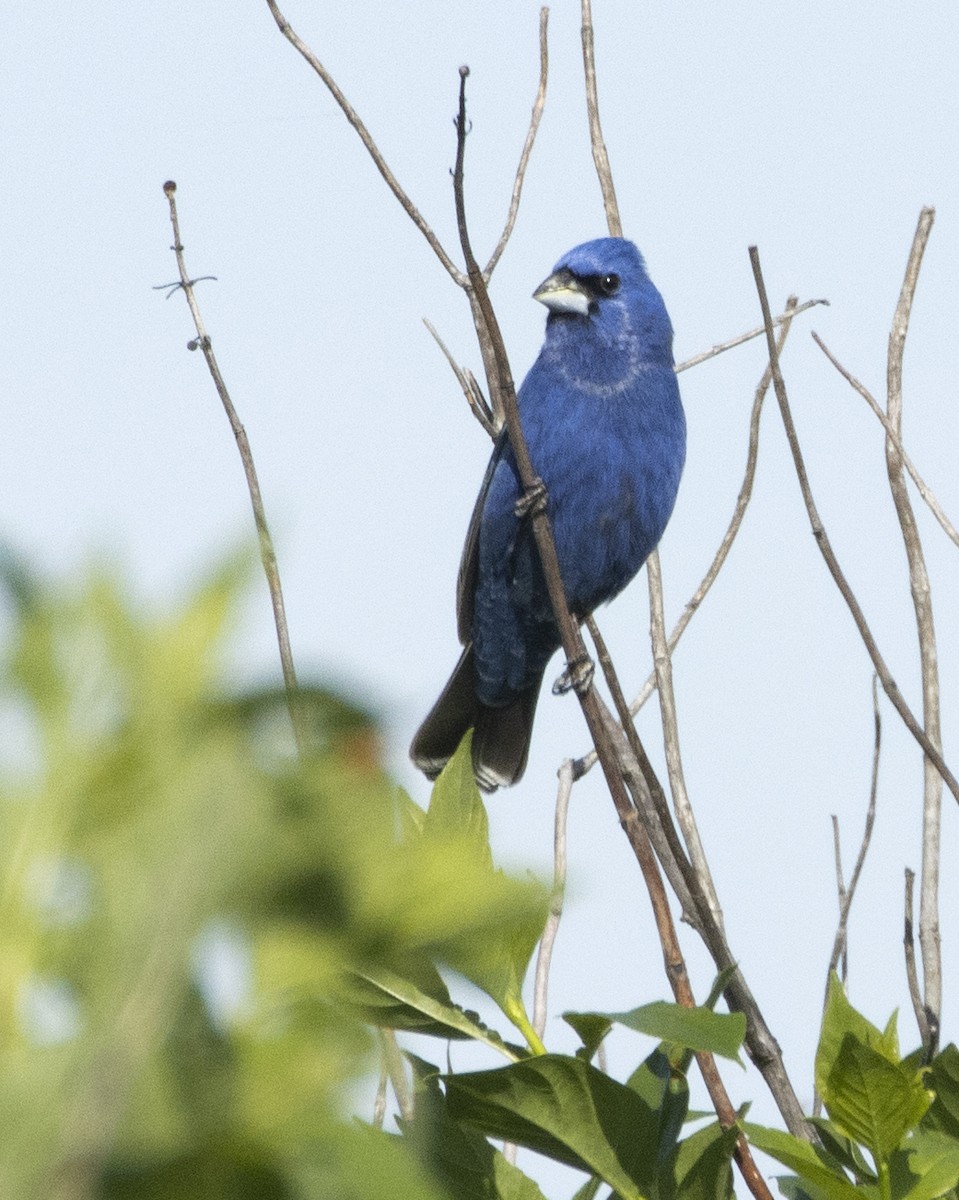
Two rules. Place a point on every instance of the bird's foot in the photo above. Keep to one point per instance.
(533, 500)
(578, 677)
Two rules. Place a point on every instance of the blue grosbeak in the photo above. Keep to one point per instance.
(604, 424)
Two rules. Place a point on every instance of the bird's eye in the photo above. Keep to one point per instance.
(609, 285)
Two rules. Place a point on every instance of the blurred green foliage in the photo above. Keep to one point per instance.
(187, 910)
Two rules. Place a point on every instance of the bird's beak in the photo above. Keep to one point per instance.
(563, 293)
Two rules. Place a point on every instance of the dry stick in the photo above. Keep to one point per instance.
(839, 946)
(885, 678)
(600, 157)
(267, 553)
(646, 790)
(674, 761)
(847, 894)
(544, 956)
(909, 948)
(924, 490)
(922, 602)
(467, 381)
(722, 347)
(535, 117)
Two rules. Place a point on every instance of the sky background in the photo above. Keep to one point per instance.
(816, 131)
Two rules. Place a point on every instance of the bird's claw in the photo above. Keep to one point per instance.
(577, 677)
(533, 500)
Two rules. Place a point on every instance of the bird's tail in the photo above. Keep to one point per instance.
(501, 735)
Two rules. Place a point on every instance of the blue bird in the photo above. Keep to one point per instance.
(606, 432)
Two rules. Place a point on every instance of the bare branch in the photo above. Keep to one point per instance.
(846, 895)
(722, 347)
(534, 121)
(674, 760)
(924, 490)
(889, 684)
(928, 657)
(366, 138)
(545, 955)
(267, 552)
(467, 381)
(600, 157)
(912, 977)
(841, 891)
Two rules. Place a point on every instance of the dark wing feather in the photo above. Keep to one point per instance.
(469, 563)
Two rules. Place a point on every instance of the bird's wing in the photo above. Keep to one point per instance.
(469, 563)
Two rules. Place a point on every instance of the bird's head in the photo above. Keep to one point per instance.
(600, 292)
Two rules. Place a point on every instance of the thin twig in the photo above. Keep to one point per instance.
(784, 319)
(371, 147)
(674, 761)
(598, 145)
(545, 954)
(840, 943)
(847, 894)
(925, 626)
(645, 788)
(534, 120)
(467, 381)
(924, 490)
(912, 976)
(267, 552)
(889, 684)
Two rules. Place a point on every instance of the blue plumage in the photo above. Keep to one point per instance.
(604, 424)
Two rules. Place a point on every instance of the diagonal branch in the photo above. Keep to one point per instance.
(890, 687)
(366, 138)
(893, 438)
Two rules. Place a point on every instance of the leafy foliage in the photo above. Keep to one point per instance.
(889, 1135)
(201, 933)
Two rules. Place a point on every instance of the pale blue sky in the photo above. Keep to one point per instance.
(815, 130)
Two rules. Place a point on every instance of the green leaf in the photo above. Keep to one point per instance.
(591, 1028)
(566, 1109)
(391, 1001)
(875, 1101)
(802, 1158)
(458, 1155)
(456, 804)
(695, 1028)
(943, 1079)
(841, 1020)
(496, 957)
(926, 1167)
(666, 1092)
(702, 1167)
